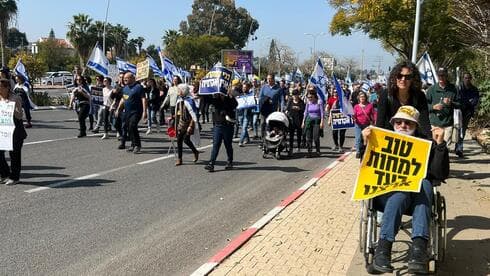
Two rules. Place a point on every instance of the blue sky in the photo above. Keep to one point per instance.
(283, 20)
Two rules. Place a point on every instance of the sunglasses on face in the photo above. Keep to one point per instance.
(405, 77)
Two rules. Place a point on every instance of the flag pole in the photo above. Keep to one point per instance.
(105, 23)
(416, 32)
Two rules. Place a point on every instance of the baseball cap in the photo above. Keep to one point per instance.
(406, 112)
(235, 82)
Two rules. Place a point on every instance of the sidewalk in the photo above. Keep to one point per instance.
(318, 233)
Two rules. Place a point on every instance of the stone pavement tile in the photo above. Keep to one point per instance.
(310, 234)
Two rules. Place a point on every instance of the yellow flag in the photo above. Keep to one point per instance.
(392, 162)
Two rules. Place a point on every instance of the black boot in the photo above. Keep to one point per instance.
(419, 257)
(382, 257)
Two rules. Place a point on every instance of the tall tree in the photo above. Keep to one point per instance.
(8, 11)
(16, 39)
(221, 18)
(54, 55)
(120, 37)
(139, 42)
(273, 64)
(392, 21)
(80, 36)
(170, 36)
(51, 34)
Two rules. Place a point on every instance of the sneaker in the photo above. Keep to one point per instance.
(81, 135)
(298, 150)
(105, 136)
(130, 149)
(95, 130)
(10, 182)
(121, 146)
(148, 132)
(137, 150)
(241, 145)
(3, 179)
(28, 125)
(209, 167)
(459, 153)
(229, 166)
(117, 135)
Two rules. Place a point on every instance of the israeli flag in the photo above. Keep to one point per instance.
(98, 61)
(20, 69)
(427, 70)
(297, 76)
(154, 67)
(124, 66)
(320, 80)
(236, 75)
(344, 104)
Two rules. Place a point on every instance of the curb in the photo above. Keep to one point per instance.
(241, 239)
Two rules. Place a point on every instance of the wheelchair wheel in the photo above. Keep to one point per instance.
(363, 226)
(442, 228)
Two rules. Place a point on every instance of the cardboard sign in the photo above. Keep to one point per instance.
(7, 125)
(246, 101)
(143, 70)
(340, 120)
(392, 162)
(216, 81)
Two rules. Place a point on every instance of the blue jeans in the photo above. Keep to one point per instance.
(358, 134)
(462, 133)
(222, 133)
(255, 123)
(395, 204)
(244, 123)
(151, 116)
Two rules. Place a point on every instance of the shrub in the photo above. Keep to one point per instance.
(41, 98)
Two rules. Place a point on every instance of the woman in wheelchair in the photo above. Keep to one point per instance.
(395, 204)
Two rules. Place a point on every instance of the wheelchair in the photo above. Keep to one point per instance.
(368, 234)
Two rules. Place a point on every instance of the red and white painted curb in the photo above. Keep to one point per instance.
(237, 242)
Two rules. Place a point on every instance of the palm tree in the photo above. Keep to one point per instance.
(8, 11)
(170, 36)
(139, 42)
(80, 36)
(120, 37)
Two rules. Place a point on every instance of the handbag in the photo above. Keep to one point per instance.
(370, 121)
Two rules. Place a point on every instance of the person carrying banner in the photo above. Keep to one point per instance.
(10, 175)
(80, 101)
(185, 122)
(134, 103)
(96, 91)
(395, 204)
(442, 100)
(468, 96)
(295, 110)
(22, 90)
(223, 118)
(404, 88)
(338, 135)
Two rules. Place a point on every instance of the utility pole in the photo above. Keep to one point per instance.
(105, 23)
(416, 32)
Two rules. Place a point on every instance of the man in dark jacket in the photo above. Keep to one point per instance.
(468, 97)
(224, 120)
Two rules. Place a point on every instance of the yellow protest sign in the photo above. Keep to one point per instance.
(142, 70)
(392, 162)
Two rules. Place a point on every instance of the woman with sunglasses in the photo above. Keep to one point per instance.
(313, 120)
(404, 88)
(10, 175)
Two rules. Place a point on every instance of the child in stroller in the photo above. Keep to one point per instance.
(277, 126)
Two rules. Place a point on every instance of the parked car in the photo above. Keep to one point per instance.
(60, 77)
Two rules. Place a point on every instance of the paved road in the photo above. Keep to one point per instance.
(85, 207)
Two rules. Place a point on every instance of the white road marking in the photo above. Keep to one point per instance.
(94, 175)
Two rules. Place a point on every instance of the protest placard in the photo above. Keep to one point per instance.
(246, 101)
(217, 80)
(7, 125)
(96, 95)
(392, 162)
(340, 120)
(143, 70)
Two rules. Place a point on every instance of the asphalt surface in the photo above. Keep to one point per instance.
(105, 212)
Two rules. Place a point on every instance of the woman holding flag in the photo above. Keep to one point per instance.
(22, 90)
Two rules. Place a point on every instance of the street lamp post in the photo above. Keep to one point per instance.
(105, 23)
(314, 40)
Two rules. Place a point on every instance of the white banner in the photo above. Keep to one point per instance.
(246, 101)
(7, 125)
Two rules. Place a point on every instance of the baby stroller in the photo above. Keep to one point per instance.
(275, 139)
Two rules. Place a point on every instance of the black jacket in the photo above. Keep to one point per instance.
(223, 106)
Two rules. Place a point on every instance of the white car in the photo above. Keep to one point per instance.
(60, 77)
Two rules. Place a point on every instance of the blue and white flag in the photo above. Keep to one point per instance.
(297, 76)
(124, 66)
(236, 75)
(427, 70)
(320, 80)
(344, 104)
(154, 66)
(169, 70)
(20, 69)
(98, 61)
